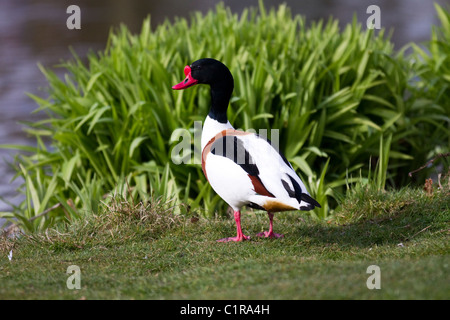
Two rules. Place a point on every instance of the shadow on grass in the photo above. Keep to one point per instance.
(410, 222)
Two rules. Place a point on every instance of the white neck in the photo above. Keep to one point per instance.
(212, 127)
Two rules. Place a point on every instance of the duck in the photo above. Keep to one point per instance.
(243, 168)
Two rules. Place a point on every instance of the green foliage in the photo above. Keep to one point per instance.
(339, 98)
(432, 87)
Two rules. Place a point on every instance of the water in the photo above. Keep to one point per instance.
(33, 31)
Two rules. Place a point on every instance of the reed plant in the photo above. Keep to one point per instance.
(338, 98)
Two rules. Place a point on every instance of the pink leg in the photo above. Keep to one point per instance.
(270, 233)
(240, 236)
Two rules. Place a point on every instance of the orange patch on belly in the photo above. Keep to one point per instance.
(277, 206)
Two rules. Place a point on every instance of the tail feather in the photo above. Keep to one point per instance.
(307, 198)
(301, 196)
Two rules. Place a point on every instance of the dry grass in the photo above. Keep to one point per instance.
(121, 220)
(154, 216)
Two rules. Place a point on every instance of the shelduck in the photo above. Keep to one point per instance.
(243, 168)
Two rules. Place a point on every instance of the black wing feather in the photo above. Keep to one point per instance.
(233, 148)
(300, 195)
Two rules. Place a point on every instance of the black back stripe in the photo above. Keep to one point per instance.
(233, 148)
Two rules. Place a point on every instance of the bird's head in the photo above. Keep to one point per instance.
(205, 71)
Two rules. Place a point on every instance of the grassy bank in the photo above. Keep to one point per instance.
(133, 251)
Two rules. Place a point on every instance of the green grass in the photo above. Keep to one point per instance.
(137, 251)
